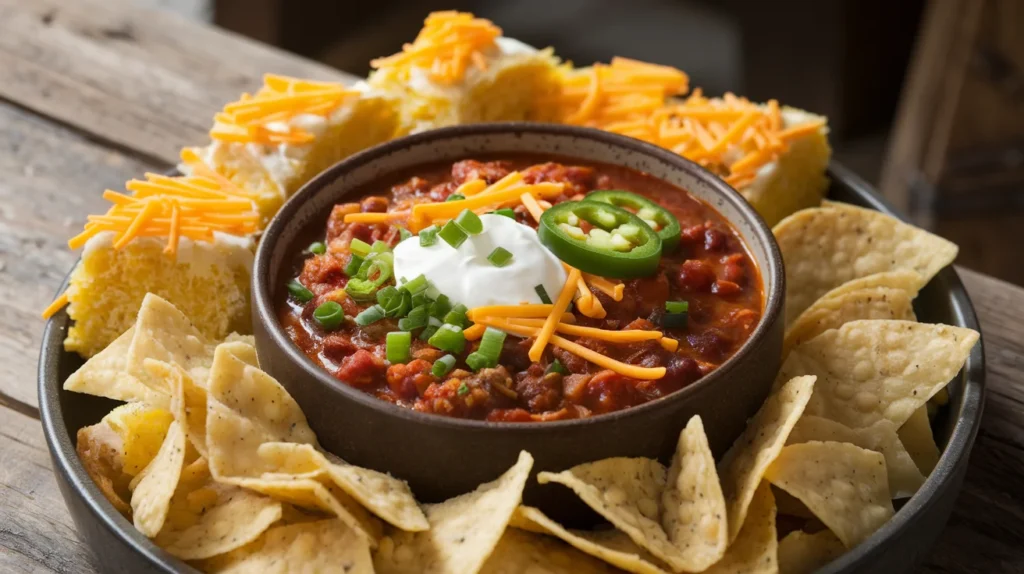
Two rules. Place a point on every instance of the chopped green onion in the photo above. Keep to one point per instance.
(456, 197)
(370, 315)
(299, 292)
(463, 390)
(507, 212)
(433, 324)
(477, 361)
(329, 315)
(353, 265)
(359, 247)
(416, 318)
(385, 295)
(428, 236)
(457, 316)
(543, 294)
(469, 222)
(398, 305)
(317, 248)
(556, 366)
(421, 299)
(397, 346)
(443, 366)
(500, 257)
(677, 306)
(449, 338)
(380, 247)
(453, 234)
(369, 279)
(417, 285)
(490, 346)
(403, 234)
(440, 307)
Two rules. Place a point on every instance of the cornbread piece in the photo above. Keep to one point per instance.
(460, 70)
(186, 239)
(275, 141)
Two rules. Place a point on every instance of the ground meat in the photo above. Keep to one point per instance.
(468, 170)
(542, 392)
(577, 179)
(515, 353)
(695, 276)
(360, 368)
(323, 273)
(470, 397)
(574, 387)
(410, 380)
(338, 346)
(574, 363)
(441, 191)
(608, 391)
(410, 189)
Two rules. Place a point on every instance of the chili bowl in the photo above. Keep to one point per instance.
(442, 456)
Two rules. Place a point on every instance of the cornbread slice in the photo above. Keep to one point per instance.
(460, 70)
(272, 143)
(186, 239)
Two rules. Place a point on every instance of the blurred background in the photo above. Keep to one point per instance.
(925, 99)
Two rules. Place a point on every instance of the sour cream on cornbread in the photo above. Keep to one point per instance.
(466, 276)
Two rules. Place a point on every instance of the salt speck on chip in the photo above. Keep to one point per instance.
(151, 498)
(105, 374)
(321, 546)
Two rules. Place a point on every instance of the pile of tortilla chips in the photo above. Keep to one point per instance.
(213, 460)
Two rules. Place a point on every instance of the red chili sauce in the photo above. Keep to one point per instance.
(711, 270)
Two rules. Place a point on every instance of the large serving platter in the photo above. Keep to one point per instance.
(898, 546)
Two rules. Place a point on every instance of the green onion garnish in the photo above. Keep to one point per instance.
(463, 390)
(507, 212)
(403, 234)
(449, 338)
(440, 307)
(353, 265)
(453, 234)
(543, 294)
(676, 315)
(385, 295)
(397, 345)
(433, 324)
(416, 318)
(359, 247)
(500, 257)
(317, 248)
(299, 292)
(380, 247)
(457, 316)
(677, 306)
(556, 366)
(372, 274)
(370, 315)
(428, 236)
(477, 361)
(443, 366)
(469, 222)
(490, 346)
(456, 197)
(417, 285)
(329, 315)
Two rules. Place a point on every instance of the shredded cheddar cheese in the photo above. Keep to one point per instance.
(560, 305)
(486, 200)
(624, 336)
(388, 217)
(58, 304)
(449, 43)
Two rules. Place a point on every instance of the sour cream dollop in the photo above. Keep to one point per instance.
(466, 276)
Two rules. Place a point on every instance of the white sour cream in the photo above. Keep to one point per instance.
(466, 276)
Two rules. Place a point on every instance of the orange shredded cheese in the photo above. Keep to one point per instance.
(526, 310)
(471, 187)
(259, 118)
(446, 47)
(474, 332)
(608, 287)
(58, 304)
(560, 305)
(387, 217)
(424, 212)
(624, 336)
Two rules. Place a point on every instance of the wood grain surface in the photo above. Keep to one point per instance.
(95, 92)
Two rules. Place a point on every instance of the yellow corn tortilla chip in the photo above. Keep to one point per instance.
(164, 333)
(789, 505)
(101, 451)
(387, 497)
(611, 546)
(755, 549)
(803, 553)
(873, 370)
(106, 375)
(321, 546)
(188, 401)
(828, 246)
(519, 552)
(694, 515)
(844, 485)
(142, 430)
(152, 496)
(246, 408)
(464, 530)
(916, 435)
(903, 280)
(209, 519)
(904, 476)
(744, 463)
(834, 312)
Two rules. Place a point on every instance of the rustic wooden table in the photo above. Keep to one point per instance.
(94, 92)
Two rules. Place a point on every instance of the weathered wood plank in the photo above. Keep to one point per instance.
(143, 80)
(50, 179)
(36, 531)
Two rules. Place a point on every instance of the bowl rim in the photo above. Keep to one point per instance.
(264, 309)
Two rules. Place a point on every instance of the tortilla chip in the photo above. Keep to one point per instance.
(916, 435)
(142, 430)
(152, 496)
(164, 333)
(464, 530)
(208, 519)
(611, 546)
(873, 370)
(321, 546)
(903, 280)
(106, 375)
(789, 505)
(833, 312)
(828, 246)
(246, 408)
(755, 549)
(519, 552)
(803, 553)
(387, 497)
(744, 463)
(844, 485)
(904, 477)
(692, 502)
(188, 401)
(101, 451)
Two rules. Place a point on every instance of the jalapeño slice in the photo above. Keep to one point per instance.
(600, 238)
(659, 218)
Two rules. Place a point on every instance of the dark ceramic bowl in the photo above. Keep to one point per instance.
(441, 456)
